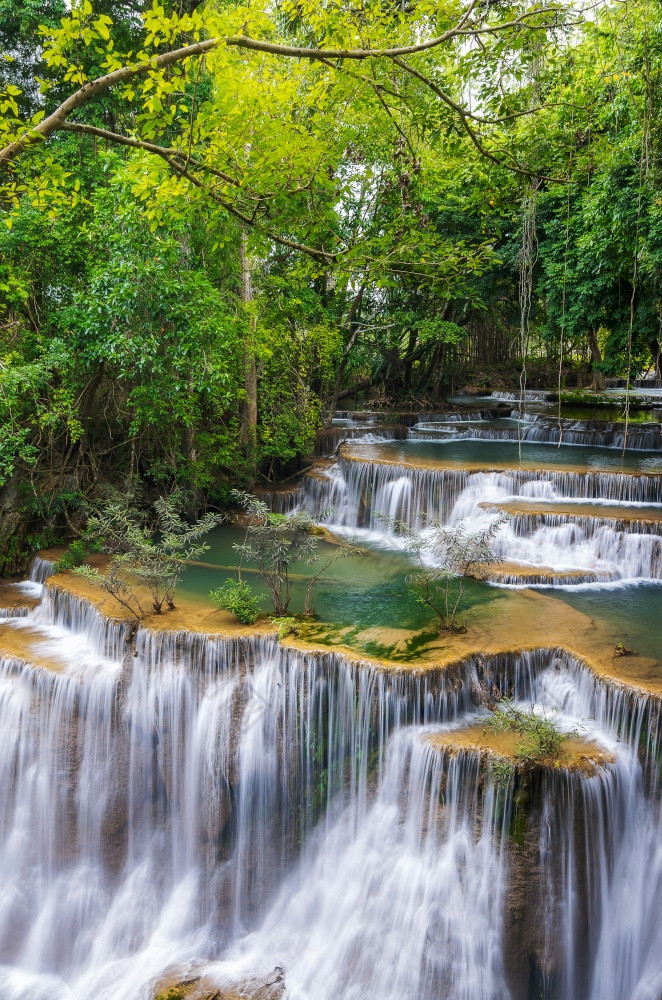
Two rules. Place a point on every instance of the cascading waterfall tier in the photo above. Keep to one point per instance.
(360, 489)
(40, 569)
(543, 429)
(535, 395)
(585, 549)
(233, 805)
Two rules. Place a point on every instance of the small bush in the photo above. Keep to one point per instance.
(172, 993)
(503, 771)
(540, 739)
(75, 555)
(286, 626)
(238, 597)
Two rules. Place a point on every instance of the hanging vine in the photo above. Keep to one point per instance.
(527, 258)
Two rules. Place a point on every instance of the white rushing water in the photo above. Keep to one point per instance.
(234, 808)
(592, 547)
(542, 429)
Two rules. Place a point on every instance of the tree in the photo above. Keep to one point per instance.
(147, 548)
(444, 556)
(275, 542)
(367, 165)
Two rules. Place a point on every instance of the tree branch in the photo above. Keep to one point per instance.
(464, 115)
(171, 157)
(150, 147)
(460, 29)
(92, 89)
(299, 52)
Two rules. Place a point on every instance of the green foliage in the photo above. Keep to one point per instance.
(382, 226)
(77, 553)
(286, 626)
(275, 542)
(503, 772)
(172, 993)
(540, 740)
(238, 597)
(148, 547)
(444, 556)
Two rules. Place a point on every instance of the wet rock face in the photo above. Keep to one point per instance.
(13, 528)
(550, 929)
(268, 987)
(531, 922)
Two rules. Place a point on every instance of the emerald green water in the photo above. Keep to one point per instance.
(367, 591)
(370, 591)
(604, 413)
(506, 452)
(634, 611)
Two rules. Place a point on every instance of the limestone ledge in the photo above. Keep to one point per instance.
(25, 644)
(577, 755)
(518, 621)
(620, 513)
(197, 986)
(14, 598)
(523, 574)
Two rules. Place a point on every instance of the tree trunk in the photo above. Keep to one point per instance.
(248, 430)
(598, 382)
(656, 355)
(353, 329)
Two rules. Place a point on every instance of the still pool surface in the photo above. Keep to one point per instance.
(371, 591)
(634, 610)
(488, 453)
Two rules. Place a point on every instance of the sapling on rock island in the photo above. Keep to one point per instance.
(444, 556)
(276, 542)
(148, 547)
(539, 738)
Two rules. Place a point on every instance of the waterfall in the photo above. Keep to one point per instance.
(19, 597)
(328, 439)
(534, 395)
(603, 551)
(542, 429)
(41, 569)
(402, 899)
(235, 806)
(582, 549)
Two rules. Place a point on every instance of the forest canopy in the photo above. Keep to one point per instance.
(219, 220)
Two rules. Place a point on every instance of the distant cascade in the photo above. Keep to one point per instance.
(359, 489)
(579, 549)
(528, 577)
(586, 525)
(601, 551)
(541, 429)
(537, 395)
(328, 439)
